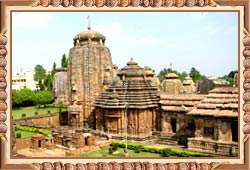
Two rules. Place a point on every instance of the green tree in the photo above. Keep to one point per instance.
(43, 97)
(165, 71)
(16, 99)
(230, 77)
(195, 74)
(64, 61)
(148, 68)
(40, 75)
(48, 82)
(53, 71)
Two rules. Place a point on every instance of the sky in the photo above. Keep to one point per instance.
(207, 41)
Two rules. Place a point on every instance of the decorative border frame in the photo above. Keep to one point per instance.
(125, 165)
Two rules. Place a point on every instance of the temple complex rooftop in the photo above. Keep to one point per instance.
(220, 102)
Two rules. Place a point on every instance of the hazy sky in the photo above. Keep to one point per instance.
(206, 41)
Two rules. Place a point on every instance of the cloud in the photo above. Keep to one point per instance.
(35, 19)
(198, 15)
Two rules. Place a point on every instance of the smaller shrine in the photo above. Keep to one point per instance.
(129, 104)
(171, 84)
(37, 141)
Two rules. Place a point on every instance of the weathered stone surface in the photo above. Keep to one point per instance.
(90, 70)
(171, 85)
(135, 89)
(60, 86)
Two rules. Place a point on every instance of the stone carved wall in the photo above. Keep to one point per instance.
(90, 69)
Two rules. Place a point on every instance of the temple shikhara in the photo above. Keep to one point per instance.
(106, 101)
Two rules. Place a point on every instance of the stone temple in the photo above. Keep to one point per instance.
(103, 99)
(136, 91)
(89, 71)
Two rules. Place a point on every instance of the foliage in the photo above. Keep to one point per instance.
(40, 75)
(64, 61)
(27, 97)
(149, 68)
(230, 77)
(166, 152)
(165, 71)
(105, 152)
(60, 106)
(195, 74)
(43, 97)
(53, 71)
(34, 130)
(48, 82)
(24, 134)
(18, 135)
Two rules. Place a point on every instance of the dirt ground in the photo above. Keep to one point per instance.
(43, 153)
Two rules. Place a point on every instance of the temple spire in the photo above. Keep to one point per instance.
(88, 22)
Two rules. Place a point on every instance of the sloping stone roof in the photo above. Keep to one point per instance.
(180, 102)
(220, 102)
(171, 76)
(139, 92)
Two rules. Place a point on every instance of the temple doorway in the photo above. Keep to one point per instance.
(234, 129)
(39, 143)
(173, 125)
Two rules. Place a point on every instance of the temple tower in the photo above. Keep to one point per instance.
(171, 84)
(90, 70)
(60, 87)
(188, 85)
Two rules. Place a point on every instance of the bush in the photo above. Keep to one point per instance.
(48, 111)
(18, 135)
(36, 113)
(34, 130)
(166, 152)
(138, 149)
(23, 115)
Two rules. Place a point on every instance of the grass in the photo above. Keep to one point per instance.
(24, 134)
(30, 111)
(104, 152)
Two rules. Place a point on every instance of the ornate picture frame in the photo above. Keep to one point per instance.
(242, 6)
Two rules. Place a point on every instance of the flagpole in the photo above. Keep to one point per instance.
(88, 22)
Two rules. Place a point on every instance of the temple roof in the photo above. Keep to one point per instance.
(187, 81)
(134, 70)
(138, 93)
(171, 76)
(180, 102)
(37, 135)
(220, 102)
(89, 34)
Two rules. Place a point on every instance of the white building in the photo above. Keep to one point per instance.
(24, 80)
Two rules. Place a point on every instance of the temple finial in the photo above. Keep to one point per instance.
(88, 22)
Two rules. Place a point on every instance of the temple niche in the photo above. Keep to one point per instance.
(135, 92)
(90, 70)
(60, 86)
(171, 84)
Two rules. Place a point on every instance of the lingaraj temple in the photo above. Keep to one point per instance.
(106, 100)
